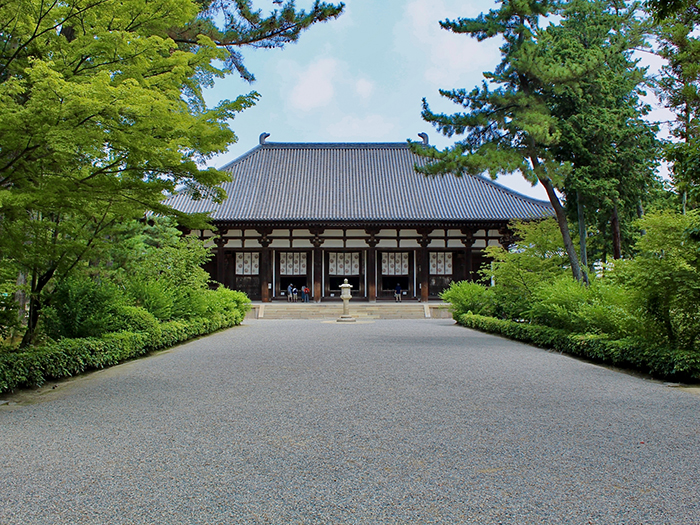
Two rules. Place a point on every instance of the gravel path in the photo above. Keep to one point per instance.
(407, 422)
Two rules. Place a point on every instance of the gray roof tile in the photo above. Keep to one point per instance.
(353, 182)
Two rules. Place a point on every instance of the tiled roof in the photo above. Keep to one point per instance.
(353, 182)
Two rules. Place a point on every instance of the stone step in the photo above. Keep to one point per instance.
(358, 310)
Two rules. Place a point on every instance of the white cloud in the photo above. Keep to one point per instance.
(315, 85)
(371, 127)
(449, 59)
(364, 88)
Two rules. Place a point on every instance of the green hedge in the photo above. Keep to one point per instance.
(69, 357)
(628, 353)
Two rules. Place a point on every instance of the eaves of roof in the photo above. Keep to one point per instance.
(354, 183)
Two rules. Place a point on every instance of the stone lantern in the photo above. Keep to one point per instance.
(345, 296)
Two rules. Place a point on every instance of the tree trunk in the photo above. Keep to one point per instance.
(38, 284)
(582, 231)
(685, 201)
(564, 228)
(616, 235)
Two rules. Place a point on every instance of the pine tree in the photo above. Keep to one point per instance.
(679, 89)
(507, 122)
(562, 108)
(604, 134)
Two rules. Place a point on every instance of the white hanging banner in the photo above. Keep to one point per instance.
(292, 263)
(395, 263)
(332, 264)
(247, 263)
(440, 263)
(344, 263)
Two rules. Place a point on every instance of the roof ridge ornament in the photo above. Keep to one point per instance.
(263, 136)
(424, 136)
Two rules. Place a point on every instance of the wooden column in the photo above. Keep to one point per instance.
(468, 241)
(220, 260)
(424, 266)
(265, 274)
(318, 273)
(265, 265)
(372, 242)
(317, 241)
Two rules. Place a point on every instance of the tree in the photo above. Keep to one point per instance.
(604, 135)
(562, 108)
(665, 276)
(664, 8)
(537, 257)
(243, 26)
(507, 122)
(101, 112)
(679, 88)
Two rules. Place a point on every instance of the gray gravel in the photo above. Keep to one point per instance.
(286, 422)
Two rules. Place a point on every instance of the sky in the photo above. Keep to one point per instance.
(362, 77)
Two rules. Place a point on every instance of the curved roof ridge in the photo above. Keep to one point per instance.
(240, 158)
(350, 181)
(505, 189)
(335, 145)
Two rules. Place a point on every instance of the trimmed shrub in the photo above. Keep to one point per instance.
(71, 356)
(659, 361)
(224, 300)
(599, 308)
(153, 296)
(134, 319)
(465, 296)
(82, 307)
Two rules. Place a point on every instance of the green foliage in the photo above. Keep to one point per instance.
(530, 282)
(465, 296)
(102, 112)
(227, 301)
(9, 320)
(562, 108)
(536, 258)
(660, 361)
(82, 307)
(644, 314)
(69, 357)
(604, 134)
(244, 26)
(134, 319)
(154, 297)
(168, 280)
(665, 276)
(601, 308)
(678, 87)
(151, 274)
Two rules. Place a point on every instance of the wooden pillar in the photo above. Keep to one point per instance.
(468, 241)
(318, 273)
(424, 266)
(220, 260)
(265, 274)
(317, 241)
(372, 242)
(265, 265)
